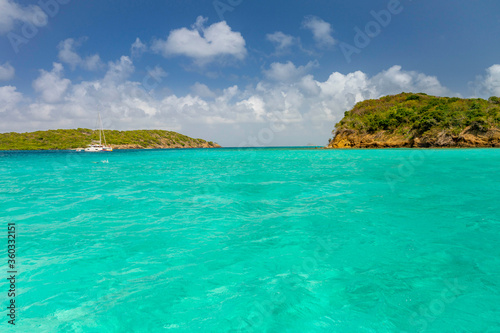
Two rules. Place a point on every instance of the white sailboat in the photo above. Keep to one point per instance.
(98, 146)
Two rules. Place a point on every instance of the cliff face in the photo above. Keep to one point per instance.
(418, 120)
(467, 138)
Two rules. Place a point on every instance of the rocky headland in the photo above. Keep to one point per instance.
(420, 121)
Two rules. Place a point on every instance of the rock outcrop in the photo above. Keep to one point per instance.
(418, 120)
(467, 138)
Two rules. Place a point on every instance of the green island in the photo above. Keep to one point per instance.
(80, 138)
(419, 120)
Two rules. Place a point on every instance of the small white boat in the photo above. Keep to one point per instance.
(98, 146)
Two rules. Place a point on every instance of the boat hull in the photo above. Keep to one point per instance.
(97, 149)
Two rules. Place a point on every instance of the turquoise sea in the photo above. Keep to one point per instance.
(253, 240)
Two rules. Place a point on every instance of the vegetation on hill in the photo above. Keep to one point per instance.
(82, 137)
(409, 120)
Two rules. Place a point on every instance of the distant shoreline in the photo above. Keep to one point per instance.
(249, 148)
(103, 153)
(72, 139)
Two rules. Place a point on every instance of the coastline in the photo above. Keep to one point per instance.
(468, 138)
(72, 139)
(114, 149)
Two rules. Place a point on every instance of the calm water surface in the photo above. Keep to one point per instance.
(254, 240)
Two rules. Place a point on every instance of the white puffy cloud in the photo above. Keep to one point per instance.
(67, 54)
(285, 72)
(321, 30)
(157, 73)
(489, 85)
(394, 80)
(92, 62)
(119, 70)
(6, 72)
(202, 90)
(9, 98)
(51, 85)
(11, 12)
(203, 44)
(281, 41)
(288, 107)
(138, 48)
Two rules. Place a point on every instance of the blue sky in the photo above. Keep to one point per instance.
(238, 72)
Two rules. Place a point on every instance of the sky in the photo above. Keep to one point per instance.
(238, 72)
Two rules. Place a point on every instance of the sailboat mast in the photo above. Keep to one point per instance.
(100, 124)
(102, 130)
